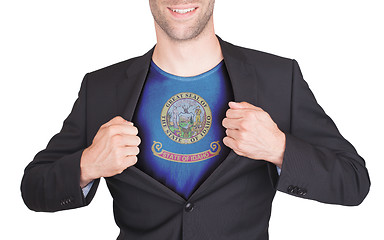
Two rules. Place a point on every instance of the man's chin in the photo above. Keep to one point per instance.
(184, 36)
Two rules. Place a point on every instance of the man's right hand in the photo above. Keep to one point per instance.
(113, 149)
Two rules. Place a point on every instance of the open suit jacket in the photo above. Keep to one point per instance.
(234, 202)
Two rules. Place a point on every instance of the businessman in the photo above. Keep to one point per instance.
(194, 138)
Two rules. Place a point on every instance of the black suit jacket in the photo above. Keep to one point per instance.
(235, 201)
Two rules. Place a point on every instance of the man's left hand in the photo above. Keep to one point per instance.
(252, 133)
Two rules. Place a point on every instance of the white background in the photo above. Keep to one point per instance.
(47, 47)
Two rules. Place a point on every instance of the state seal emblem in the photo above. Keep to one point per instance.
(186, 118)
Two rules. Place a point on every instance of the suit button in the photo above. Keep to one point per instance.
(66, 201)
(291, 189)
(189, 207)
(302, 192)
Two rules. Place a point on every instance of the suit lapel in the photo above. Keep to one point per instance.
(129, 88)
(243, 76)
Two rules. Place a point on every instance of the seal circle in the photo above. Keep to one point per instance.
(186, 118)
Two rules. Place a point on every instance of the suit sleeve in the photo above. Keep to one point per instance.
(51, 182)
(319, 163)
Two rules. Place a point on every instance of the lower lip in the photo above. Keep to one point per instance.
(182, 15)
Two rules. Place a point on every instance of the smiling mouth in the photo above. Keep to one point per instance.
(183, 11)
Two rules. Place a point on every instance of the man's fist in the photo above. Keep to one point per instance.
(252, 133)
(114, 148)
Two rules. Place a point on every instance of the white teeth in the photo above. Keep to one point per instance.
(182, 11)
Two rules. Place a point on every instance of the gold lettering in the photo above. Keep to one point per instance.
(163, 121)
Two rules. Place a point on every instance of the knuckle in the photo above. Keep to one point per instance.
(117, 167)
(250, 114)
(103, 126)
(120, 165)
(243, 125)
(116, 153)
(112, 129)
(116, 140)
(263, 115)
(242, 135)
(118, 119)
(132, 160)
(266, 115)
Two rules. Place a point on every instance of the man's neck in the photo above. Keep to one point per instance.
(187, 58)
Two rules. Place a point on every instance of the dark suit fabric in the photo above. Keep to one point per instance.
(235, 201)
